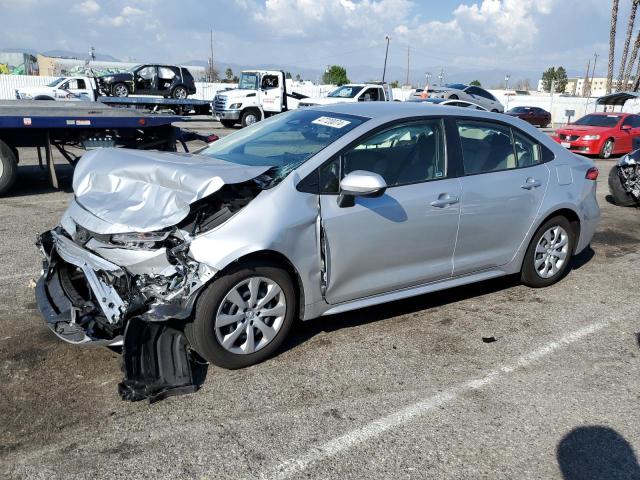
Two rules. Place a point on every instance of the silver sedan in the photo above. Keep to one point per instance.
(310, 213)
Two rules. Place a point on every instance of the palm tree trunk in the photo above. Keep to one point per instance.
(623, 61)
(612, 43)
(631, 62)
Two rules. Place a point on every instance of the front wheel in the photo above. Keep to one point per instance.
(243, 317)
(607, 149)
(620, 196)
(249, 117)
(120, 90)
(549, 253)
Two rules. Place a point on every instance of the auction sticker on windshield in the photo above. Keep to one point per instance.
(331, 122)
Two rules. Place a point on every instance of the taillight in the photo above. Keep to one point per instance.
(592, 174)
(212, 138)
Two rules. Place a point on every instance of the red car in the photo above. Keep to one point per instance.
(533, 115)
(600, 133)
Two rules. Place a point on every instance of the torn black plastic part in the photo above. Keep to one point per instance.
(158, 363)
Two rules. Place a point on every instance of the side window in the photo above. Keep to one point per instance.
(486, 147)
(65, 85)
(369, 95)
(81, 84)
(528, 152)
(147, 72)
(402, 155)
(636, 121)
(166, 73)
(270, 81)
(329, 177)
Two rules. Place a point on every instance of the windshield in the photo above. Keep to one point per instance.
(345, 91)
(248, 80)
(284, 142)
(599, 120)
(133, 69)
(457, 86)
(55, 82)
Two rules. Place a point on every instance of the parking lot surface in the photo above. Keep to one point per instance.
(404, 390)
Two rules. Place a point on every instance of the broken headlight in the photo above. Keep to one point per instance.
(139, 239)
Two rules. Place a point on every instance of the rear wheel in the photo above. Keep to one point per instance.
(607, 148)
(620, 196)
(549, 253)
(228, 123)
(179, 93)
(244, 316)
(120, 90)
(8, 167)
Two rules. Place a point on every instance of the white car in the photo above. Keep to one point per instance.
(64, 88)
(460, 91)
(352, 93)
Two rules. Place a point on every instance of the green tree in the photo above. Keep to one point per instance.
(395, 84)
(556, 75)
(287, 75)
(548, 76)
(298, 77)
(561, 79)
(229, 74)
(335, 75)
(475, 83)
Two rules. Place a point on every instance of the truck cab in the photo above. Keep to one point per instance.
(352, 93)
(63, 88)
(260, 94)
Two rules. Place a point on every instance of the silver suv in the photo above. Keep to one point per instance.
(310, 213)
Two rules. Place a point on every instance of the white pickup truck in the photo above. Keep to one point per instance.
(64, 88)
(351, 93)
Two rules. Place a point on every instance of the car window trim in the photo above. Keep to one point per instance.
(510, 127)
(380, 128)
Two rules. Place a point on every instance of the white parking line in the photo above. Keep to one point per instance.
(376, 428)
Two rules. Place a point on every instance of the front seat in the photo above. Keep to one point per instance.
(420, 163)
(501, 154)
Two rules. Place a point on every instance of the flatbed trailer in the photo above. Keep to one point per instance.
(84, 125)
(155, 104)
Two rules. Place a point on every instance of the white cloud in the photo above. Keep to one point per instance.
(89, 7)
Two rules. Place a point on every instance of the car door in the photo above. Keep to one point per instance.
(503, 186)
(404, 237)
(628, 130)
(145, 80)
(271, 93)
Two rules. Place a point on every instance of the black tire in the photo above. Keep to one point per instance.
(8, 167)
(228, 123)
(201, 332)
(495, 110)
(620, 196)
(453, 97)
(180, 93)
(603, 151)
(44, 97)
(118, 91)
(528, 274)
(544, 125)
(247, 117)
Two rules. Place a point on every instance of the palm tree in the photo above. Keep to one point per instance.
(623, 61)
(632, 61)
(612, 43)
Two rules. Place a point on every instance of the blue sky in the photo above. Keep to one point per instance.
(472, 34)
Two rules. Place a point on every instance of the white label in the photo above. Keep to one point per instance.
(71, 122)
(331, 122)
(83, 122)
(26, 121)
(566, 144)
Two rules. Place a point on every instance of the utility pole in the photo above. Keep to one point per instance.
(211, 75)
(585, 81)
(386, 53)
(593, 73)
(407, 82)
(506, 89)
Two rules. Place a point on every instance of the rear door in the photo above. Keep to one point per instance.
(403, 238)
(503, 186)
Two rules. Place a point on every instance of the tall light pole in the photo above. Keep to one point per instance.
(386, 53)
(506, 89)
(441, 76)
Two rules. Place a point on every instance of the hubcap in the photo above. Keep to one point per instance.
(251, 119)
(608, 148)
(250, 315)
(551, 252)
(121, 91)
(181, 93)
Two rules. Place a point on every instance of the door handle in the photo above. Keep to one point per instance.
(444, 200)
(531, 183)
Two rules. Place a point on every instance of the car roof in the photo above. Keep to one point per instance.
(617, 114)
(399, 110)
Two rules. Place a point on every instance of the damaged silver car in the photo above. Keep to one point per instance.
(312, 212)
(624, 180)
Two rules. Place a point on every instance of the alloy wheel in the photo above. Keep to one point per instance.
(607, 149)
(250, 315)
(180, 93)
(121, 91)
(551, 252)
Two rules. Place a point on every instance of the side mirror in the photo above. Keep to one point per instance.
(625, 127)
(360, 183)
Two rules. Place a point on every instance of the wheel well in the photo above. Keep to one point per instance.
(573, 218)
(278, 260)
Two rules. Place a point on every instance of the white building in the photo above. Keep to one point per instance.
(576, 86)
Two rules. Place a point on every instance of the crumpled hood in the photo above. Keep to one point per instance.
(142, 191)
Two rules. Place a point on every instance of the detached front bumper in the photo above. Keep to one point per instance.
(93, 314)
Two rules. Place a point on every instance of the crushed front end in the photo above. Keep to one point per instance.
(624, 180)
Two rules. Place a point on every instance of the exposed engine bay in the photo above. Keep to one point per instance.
(624, 180)
(102, 285)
